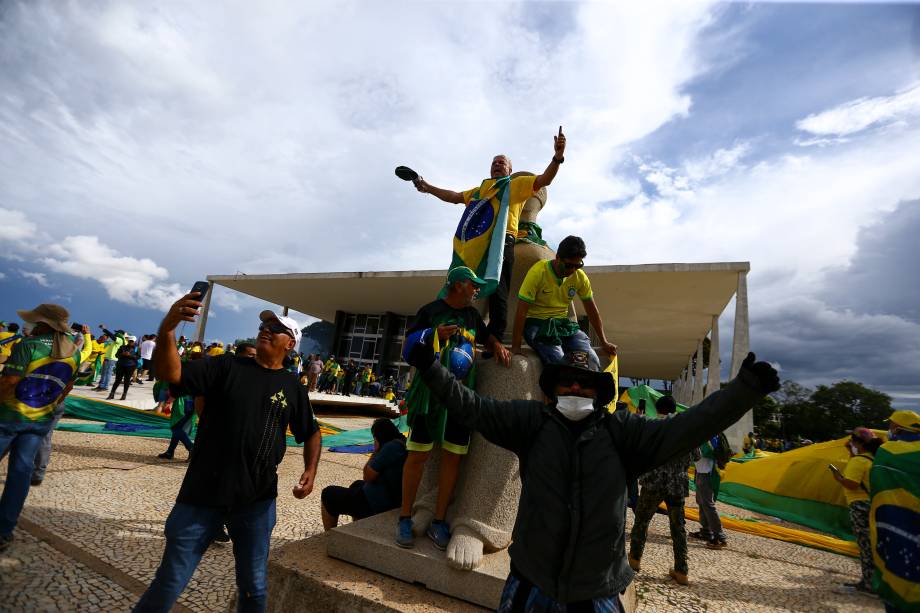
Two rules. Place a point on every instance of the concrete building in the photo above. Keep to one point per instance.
(658, 315)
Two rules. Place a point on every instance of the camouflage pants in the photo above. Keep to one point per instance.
(859, 517)
(645, 510)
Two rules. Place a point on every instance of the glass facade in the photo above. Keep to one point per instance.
(375, 340)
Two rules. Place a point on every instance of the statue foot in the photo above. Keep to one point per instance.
(465, 549)
(420, 520)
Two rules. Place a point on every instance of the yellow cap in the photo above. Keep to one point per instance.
(906, 419)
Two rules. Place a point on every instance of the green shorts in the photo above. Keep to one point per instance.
(456, 437)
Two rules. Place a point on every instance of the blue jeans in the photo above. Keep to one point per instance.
(179, 434)
(44, 450)
(190, 530)
(22, 440)
(553, 354)
(108, 366)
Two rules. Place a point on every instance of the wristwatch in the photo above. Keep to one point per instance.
(559, 160)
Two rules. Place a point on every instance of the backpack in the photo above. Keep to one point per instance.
(722, 451)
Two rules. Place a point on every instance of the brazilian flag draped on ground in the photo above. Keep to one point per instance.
(479, 241)
(894, 523)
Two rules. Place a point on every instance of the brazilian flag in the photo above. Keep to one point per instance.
(894, 523)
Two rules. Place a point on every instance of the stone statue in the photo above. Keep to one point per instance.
(486, 497)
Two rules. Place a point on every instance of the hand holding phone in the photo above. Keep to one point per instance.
(835, 470)
(201, 288)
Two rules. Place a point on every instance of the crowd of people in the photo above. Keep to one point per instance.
(578, 461)
(336, 376)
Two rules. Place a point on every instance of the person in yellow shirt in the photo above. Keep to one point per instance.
(476, 223)
(542, 317)
(855, 481)
(8, 339)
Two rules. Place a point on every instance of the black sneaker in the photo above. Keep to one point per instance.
(222, 537)
(699, 536)
(35, 482)
(5, 542)
(165, 456)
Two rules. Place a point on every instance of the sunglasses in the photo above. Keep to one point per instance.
(570, 266)
(568, 378)
(275, 327)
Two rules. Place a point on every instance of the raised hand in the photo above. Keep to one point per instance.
(559, 144)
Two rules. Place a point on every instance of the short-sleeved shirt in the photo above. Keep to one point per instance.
(521, 189)
(147, 348)
(242, 432)
(44, 380)
(385, 492)
(857, 470)
(548, 295)
(439, 312)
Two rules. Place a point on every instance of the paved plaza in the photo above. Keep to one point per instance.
(92, 535)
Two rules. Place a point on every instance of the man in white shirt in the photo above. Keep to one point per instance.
(147, 347)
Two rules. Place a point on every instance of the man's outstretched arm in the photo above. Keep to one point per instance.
(558, 158)
(594, 316)
(443, 194)
(166, 356)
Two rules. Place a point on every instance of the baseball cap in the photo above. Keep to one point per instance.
(906, 419)
(578, 360)
(463, 272)
(286, 321)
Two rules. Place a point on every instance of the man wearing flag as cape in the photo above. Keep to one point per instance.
(495, 204)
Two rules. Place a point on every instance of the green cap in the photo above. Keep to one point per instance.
(463, 272)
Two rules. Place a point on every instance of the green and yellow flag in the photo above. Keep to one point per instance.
(894, 523)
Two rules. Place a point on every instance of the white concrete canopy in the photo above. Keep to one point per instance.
(655, 313)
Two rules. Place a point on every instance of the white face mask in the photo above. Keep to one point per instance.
(575, 408)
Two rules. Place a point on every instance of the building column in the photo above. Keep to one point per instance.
(203, 318)
(698, 375)
(740, 347)
(340, 318)
(741, 343)
(386, 341)
(715, 362)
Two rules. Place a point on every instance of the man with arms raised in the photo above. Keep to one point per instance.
(498, 197)
(232, 475)
(568, 550)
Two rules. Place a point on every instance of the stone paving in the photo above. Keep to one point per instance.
(105, 499)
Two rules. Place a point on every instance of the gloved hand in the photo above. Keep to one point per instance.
(421, 355)
(766, 376)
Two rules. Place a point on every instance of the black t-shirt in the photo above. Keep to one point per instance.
(242, 433)
(439, 312)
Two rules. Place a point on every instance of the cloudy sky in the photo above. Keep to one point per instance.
(144, 146)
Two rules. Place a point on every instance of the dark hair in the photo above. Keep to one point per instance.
(243, 347)
(571, 247)
(665, 405)
(384, 431)
(13, 327)
(872, 445)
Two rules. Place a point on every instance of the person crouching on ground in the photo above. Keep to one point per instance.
(232, 475)
(855, 482)
(668, 484)
(568, 546)
(381, 488)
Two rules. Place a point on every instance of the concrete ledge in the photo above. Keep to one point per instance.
(301, 577)
(369, 543)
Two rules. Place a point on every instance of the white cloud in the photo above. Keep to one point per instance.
(858, 115)
(126, 279)
(38, 277)
(15, 227)
(2, 275)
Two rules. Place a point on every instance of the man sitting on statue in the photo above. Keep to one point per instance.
(497, 202)
(575, 458)
(450, 327)
(542, 316)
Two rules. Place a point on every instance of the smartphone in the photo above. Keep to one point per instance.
(202, 288)
(834, 469)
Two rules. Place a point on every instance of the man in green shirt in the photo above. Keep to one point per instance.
(38, 375)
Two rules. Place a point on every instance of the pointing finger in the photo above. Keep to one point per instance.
(560, 130)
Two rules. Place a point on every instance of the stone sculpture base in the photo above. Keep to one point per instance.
(301, 577)
(369, 543)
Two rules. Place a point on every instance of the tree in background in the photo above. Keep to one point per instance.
(823, 414)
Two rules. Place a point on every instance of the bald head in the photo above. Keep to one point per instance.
(501, 166)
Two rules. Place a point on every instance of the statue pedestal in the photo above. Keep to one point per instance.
(369, 543)
(302, 577)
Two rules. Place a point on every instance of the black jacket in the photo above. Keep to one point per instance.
(568, 536)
